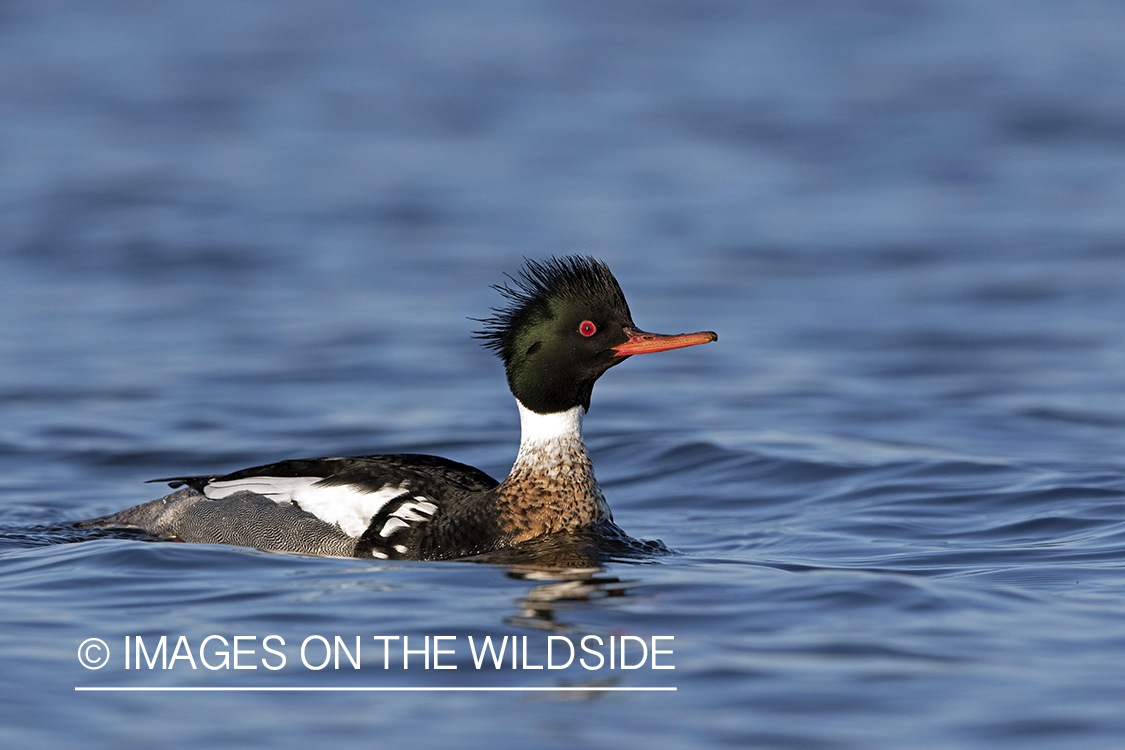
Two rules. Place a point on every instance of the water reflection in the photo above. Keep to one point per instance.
(538, 609)
(571, 567)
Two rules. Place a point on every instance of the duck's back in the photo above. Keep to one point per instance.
(368, 506)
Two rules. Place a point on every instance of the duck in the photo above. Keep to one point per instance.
(565, 323)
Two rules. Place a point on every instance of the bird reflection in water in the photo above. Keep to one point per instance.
(572, 567)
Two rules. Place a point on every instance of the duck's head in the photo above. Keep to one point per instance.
(566, 324)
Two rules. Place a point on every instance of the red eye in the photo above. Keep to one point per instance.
(586, 328)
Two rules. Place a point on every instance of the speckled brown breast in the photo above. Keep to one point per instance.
(551, 488)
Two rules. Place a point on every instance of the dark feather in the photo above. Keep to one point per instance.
(573, 277)
(196, 483)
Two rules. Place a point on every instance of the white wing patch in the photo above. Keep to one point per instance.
(344, 505)
(392, 525)
(422, 510)
(276, 488)
(411, 511)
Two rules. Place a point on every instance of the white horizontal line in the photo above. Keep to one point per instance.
(247, 689)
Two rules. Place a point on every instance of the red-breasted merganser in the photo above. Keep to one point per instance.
(566, 324)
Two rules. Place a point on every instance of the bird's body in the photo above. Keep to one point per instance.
(568, 323)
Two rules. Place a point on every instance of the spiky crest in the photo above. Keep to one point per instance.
(531, 291)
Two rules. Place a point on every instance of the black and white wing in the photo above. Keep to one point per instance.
(388, 495)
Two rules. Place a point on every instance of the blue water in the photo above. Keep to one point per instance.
(232, 233)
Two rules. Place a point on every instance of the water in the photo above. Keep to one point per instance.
(895, 488)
